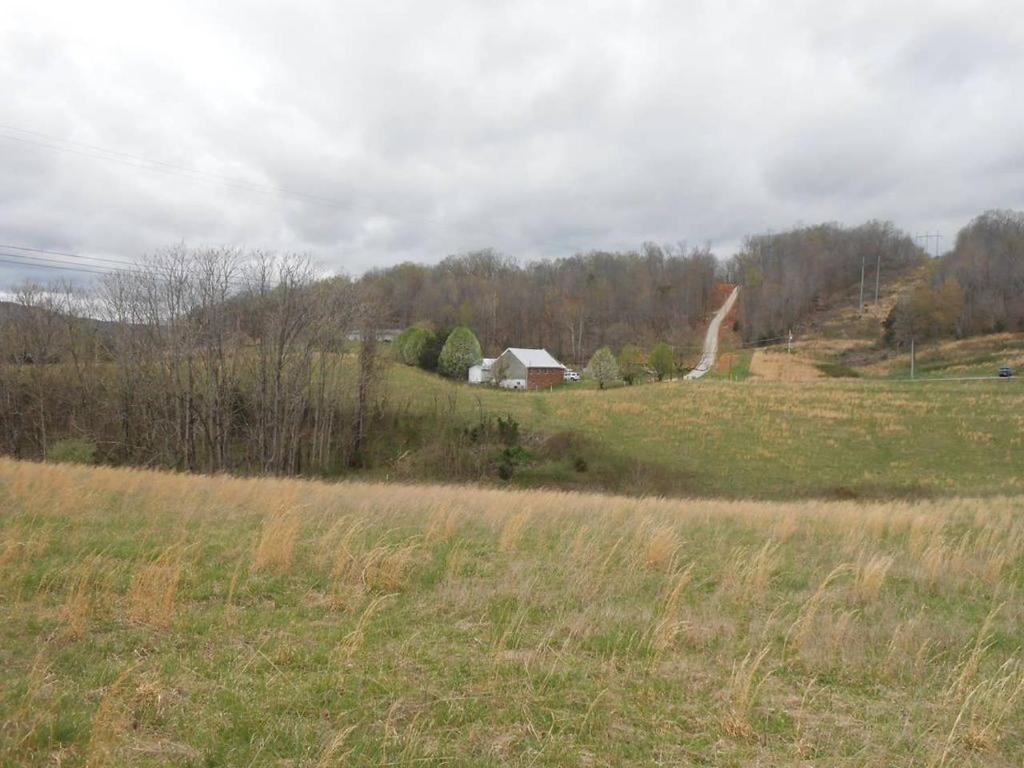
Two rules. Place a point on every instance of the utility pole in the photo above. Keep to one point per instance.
(927, 238)
(789, 342)
(878, 273)
(860, 310)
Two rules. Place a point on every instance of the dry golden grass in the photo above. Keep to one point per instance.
(871, 571)
(749, 573)
(333, 754)
(661, 547)
(444, 523)
(385, 569)
(78, 608)
(744, 684)
(513, 529)
(277, 541)
(800, 632)
(778, 365)
(668, 624)
(154, 589)
(108, 725)
(187, 620)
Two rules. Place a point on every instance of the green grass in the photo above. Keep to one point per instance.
(833, 437)
(310, 624)
(733, 365)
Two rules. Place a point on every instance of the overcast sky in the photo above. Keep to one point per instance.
(375, 132)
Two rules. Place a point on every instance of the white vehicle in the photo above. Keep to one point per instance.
(571, 375)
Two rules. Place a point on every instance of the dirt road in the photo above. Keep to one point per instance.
(707, 358)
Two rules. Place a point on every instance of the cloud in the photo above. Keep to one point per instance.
(403, 130)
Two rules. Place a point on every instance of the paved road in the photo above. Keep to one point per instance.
(920, 379)
(707, 358)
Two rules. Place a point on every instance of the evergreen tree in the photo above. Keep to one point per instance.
(459, 352)
(413, 344)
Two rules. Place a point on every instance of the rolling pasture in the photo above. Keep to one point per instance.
(845, 438)
(154, 619)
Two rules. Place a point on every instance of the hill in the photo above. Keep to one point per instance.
(265, 381)
(160, 619)
(837, 337)
(756, 438)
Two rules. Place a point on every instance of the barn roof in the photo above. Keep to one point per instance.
(534, 358)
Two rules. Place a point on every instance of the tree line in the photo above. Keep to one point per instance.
(209, 360)
(571, 306)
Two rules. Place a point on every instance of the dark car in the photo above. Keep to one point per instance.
(1005, 372)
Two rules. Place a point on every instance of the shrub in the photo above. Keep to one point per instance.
(510, 459)
(460, 351)
(73, 451)
(508, 430)
(431, 351)
(418, 345)
(925, 312)
(632, 363)
(837, 371)
(411, 344)
(662, 360)
(603, 367)
(398, 346)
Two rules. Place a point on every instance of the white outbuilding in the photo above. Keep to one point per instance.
(481, 372)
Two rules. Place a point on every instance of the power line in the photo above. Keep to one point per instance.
(50, 262)
(928, 237)
(762, 342)
(119, 262)
(47, 266)
(138, 161)
(42, 260)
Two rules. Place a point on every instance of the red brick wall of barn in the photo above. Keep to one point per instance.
(542, 378)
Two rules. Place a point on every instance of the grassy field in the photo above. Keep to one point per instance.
(163, 620)
(946, 358)
(772, 439)
(978, 356)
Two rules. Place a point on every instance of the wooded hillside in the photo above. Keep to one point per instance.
(988, 263)
(570, 306)
(976, 288)
(785, 275)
